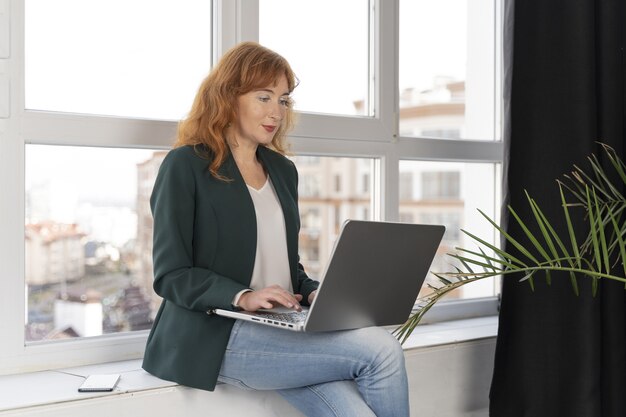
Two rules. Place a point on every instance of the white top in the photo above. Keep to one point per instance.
(271, 264)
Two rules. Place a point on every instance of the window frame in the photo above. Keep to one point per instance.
(317, 134)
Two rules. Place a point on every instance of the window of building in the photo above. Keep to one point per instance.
(406, 185)
(337, 183)
(309, 185)
(405, 217)
(365, 183)
(443, 185)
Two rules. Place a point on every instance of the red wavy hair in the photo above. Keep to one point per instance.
(245, 67)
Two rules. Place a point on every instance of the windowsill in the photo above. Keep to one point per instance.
(452, 332)
(60, 386)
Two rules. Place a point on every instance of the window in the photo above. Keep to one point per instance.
(449, 194)
(447, 51)
(309, 185)
(119, 96)
(338, 183)
(322, 213)
(140, 58)
(365, 183)
(329, 82)
(88, 240)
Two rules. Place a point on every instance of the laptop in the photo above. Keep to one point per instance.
(374, 275)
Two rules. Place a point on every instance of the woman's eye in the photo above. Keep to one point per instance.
(285, 102)
(264, 99)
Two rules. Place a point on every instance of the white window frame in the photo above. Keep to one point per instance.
(233, 21)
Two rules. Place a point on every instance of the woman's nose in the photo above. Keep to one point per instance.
(276, 113)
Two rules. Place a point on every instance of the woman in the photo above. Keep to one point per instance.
(226, 227)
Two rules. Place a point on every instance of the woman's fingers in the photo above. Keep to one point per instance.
(285, 298)
(269, 297)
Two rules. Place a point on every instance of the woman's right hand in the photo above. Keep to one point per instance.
(269, 297)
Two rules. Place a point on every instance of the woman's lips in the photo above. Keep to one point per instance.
(269, 129)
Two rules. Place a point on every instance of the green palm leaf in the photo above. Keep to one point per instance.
(603, 248)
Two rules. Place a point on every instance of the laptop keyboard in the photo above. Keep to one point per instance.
(295, 317)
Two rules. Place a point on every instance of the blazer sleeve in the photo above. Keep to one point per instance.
(307, 285)
(176, 278)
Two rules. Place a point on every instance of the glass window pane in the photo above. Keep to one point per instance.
(89, 236)
(140, 58)
(449, 193)
(324, 206)
(327, 44)
(447, 69)
(88, 240)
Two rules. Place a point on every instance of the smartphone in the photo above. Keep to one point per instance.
(99, 383)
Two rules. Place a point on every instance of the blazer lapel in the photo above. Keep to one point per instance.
(242, 203)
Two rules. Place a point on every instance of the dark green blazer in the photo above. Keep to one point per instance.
(203, 254)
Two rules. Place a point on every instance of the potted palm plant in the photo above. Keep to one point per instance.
(601, 254)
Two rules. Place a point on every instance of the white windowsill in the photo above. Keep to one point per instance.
(60, 386)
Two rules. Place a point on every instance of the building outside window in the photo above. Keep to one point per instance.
(322, 213)
(440, 185)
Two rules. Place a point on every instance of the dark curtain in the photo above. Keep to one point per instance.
(559, 354)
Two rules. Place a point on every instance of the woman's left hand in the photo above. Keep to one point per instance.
(312, 296)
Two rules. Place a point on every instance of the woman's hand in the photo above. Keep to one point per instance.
(269, 297)
(312, 296)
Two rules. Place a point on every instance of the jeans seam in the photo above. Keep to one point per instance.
(297, 355)
(366, 371)
(324, 399)
(233, 333)
(234, 382)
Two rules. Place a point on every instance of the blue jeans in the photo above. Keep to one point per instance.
(346, 373)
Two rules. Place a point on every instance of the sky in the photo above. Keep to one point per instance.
(81, 65)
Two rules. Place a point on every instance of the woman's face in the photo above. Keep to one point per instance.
(260, 113)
